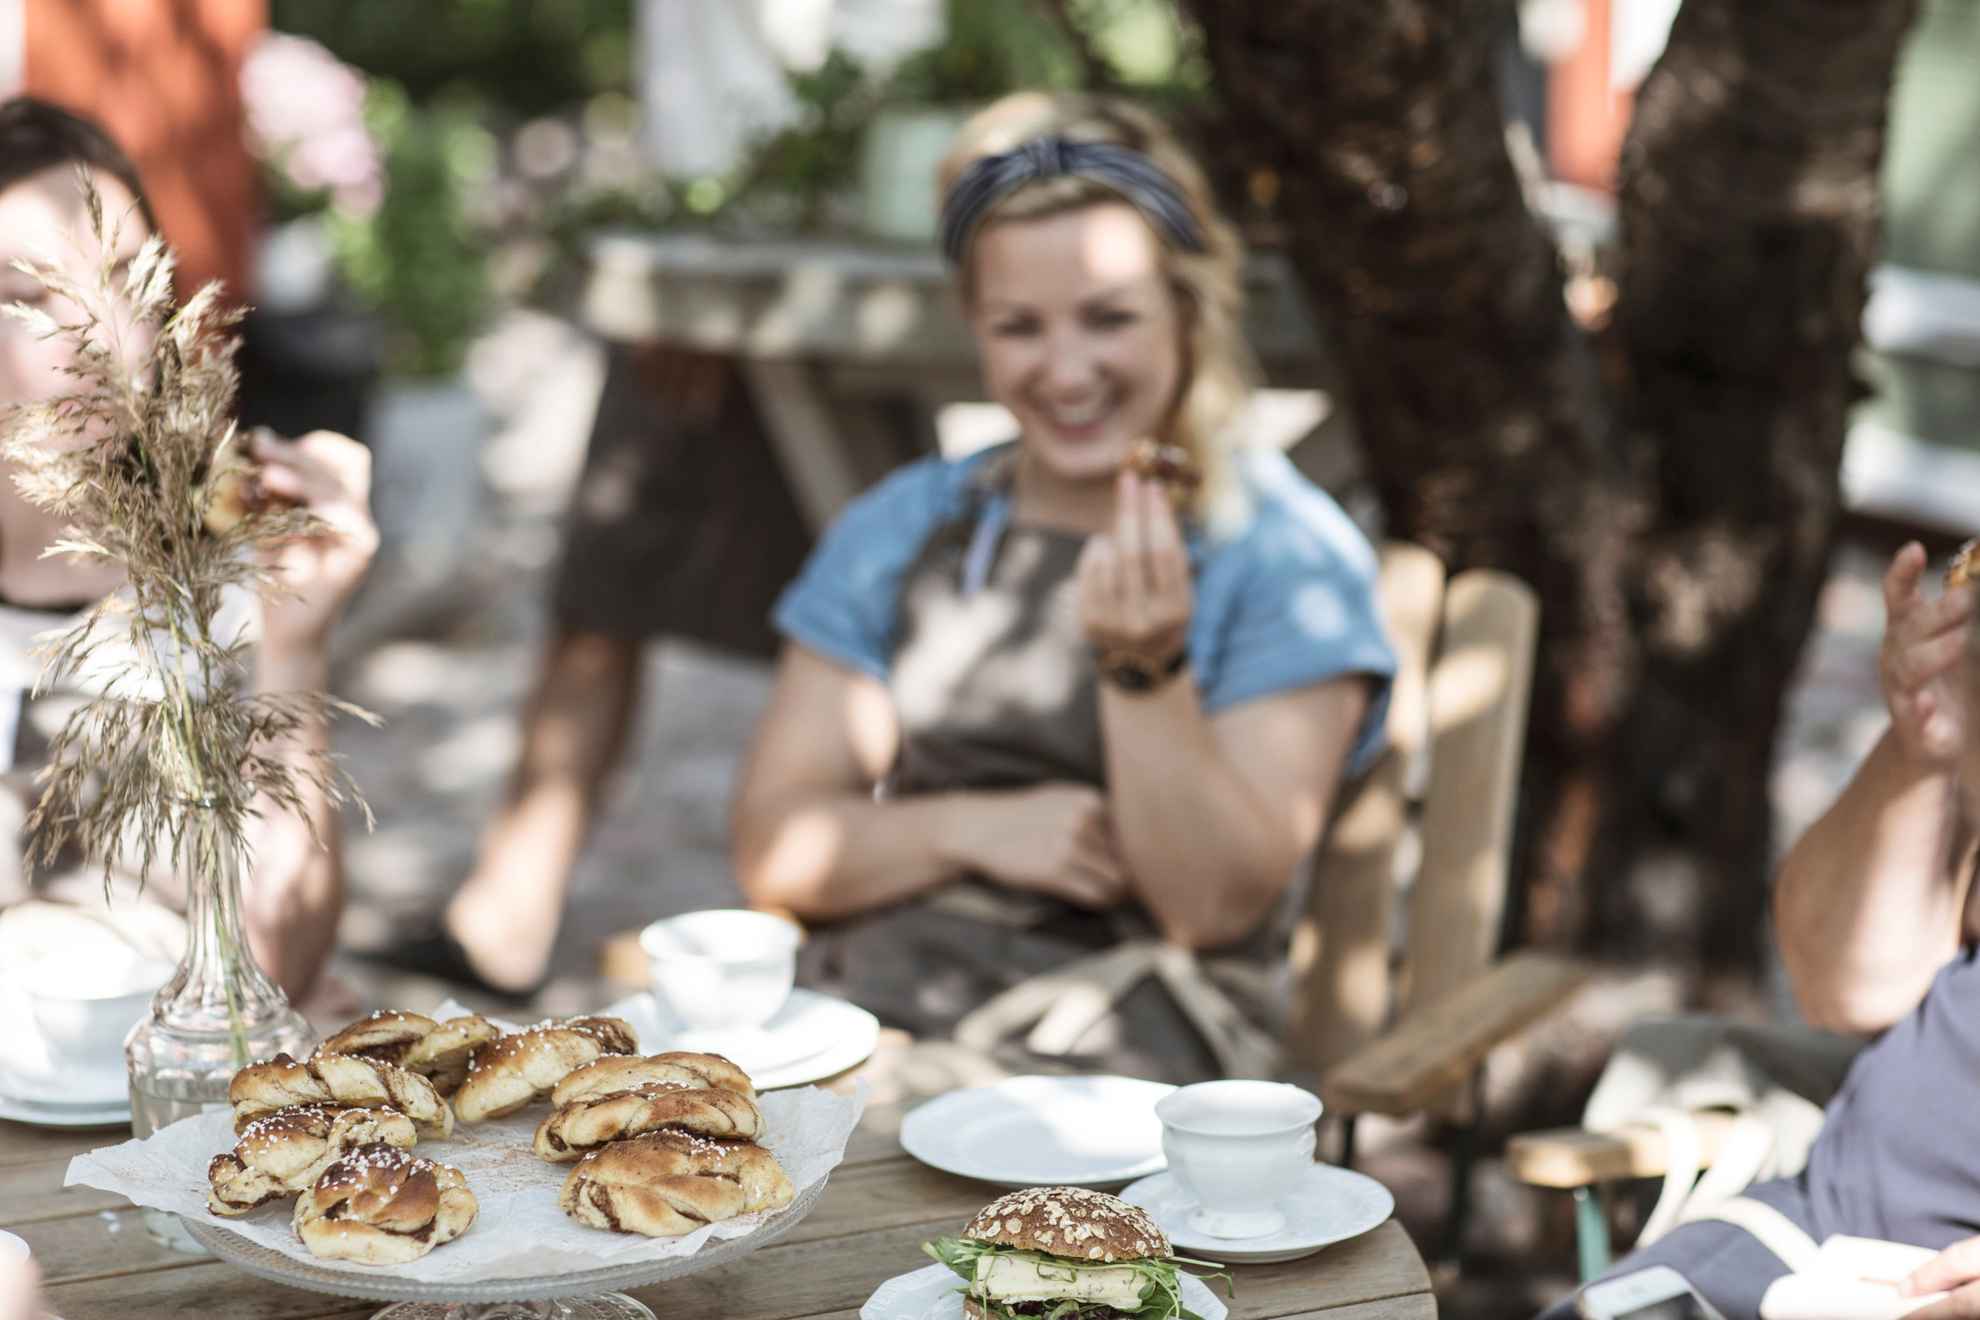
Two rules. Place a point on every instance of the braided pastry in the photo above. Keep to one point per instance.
(618, 1073)
(337, 1079)
(437, 1051)
(1963, 569)
(285, 1152)
(668, 1183)
(705, 1111)
(380, 1206)
(514, 1070)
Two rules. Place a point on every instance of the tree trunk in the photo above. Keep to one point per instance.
(1749, 212)
(1649, 483)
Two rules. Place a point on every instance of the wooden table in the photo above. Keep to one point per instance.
(99, 1264)
(849, 347)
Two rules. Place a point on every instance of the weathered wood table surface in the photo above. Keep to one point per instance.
(880, 1205)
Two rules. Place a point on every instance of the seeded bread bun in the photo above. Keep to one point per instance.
(1069, 1221)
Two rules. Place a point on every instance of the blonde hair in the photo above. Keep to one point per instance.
(1218, 370)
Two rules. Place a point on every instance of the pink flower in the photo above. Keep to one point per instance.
(305, 119)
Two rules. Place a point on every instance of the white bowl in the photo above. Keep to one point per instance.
(12, 1248)
(723, 967)
(75, 1017)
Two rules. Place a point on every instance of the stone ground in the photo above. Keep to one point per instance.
(443, 647)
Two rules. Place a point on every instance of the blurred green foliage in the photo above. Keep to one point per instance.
(523, 57)
(515, 60)
(419, 260)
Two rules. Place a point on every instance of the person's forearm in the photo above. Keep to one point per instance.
(1207, 858)
(824, 857)
(294, 895)
(1867, 906)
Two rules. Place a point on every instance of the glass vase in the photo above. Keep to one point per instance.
(218, 1013)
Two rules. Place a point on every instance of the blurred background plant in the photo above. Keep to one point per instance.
(502, 132)
(375, 188)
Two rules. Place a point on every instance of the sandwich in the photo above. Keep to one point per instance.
(1065, 1253)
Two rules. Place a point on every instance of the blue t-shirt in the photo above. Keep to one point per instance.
(1284, 600)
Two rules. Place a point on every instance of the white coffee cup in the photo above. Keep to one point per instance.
(78, 1012)
(723, 967)
(12, 1248)
(1238, 1148)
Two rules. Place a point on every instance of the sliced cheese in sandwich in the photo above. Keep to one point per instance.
(1025, 1279)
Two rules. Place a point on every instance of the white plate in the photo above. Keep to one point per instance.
(813, 1036)
(934, 1292)
(40, 1113)
(1330, 1205)
(1038, 1131)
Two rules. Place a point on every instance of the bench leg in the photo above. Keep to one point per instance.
(1591, 1232)
(1347, 1141)
(1464, 1158)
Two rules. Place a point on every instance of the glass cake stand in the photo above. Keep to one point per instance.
(576, 1294)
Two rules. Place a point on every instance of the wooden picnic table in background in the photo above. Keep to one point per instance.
(99, 1264)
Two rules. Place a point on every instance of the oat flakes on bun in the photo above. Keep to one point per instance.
(1065, 1253)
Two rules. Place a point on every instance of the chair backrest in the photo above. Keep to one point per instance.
(1409, 887)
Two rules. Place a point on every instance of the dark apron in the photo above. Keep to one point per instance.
(994, 688)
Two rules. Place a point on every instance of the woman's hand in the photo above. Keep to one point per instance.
(1134, 588)
(1954, 1271)
(330, 476)
(1055, 839)
(1924, 639)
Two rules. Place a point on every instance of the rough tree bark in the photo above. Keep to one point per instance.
(1669, 485)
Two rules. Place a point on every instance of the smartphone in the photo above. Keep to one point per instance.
(1656, 1293)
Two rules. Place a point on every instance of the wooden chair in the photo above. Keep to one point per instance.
(1401, 1026)
(1586, 1163)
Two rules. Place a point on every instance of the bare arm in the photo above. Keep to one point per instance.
(294, 896)
(1214, 815)
(1868, 904)
(810, 838)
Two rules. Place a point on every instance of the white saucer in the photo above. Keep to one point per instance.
(813, 1036)
(1041, 1131)
(1330, 1205)
(41, 1113)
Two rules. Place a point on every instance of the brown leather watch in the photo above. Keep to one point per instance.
(1132, 671)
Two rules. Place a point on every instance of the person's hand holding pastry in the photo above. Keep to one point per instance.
(1135, 596)
(1925, 638)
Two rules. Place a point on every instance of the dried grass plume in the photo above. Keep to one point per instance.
(170, 748)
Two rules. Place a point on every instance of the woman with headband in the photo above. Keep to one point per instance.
(1035, 719)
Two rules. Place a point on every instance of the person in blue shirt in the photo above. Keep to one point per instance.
(1028, 712)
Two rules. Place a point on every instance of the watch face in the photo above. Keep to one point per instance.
(1133, 675)
(1137, 673)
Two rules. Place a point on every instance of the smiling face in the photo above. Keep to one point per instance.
(1080, 334)
(42, 219)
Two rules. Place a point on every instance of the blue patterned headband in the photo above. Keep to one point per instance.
(1128, 172)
